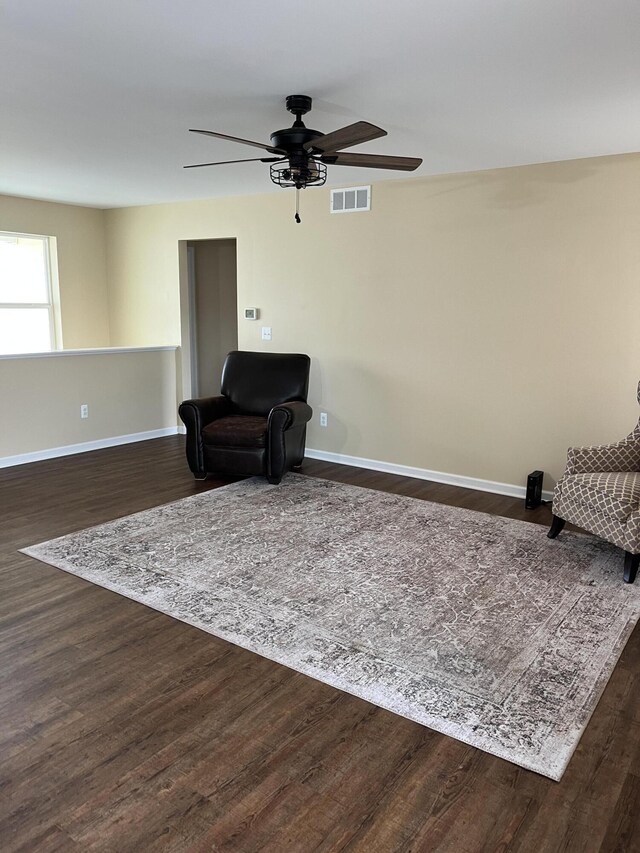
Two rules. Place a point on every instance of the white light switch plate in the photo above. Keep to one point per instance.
(266, 333)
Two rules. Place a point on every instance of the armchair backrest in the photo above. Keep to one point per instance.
(255, 382)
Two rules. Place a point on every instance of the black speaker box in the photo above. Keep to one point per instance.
(534, 490)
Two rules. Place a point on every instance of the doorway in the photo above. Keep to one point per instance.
(213, 311)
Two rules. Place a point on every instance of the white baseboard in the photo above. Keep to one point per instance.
(323, 455)
(424, 474)
(85, 446)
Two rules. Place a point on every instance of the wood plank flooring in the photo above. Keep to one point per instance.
(124, 730)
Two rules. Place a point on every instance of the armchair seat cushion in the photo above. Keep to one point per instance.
(236, 431)
(615, 494)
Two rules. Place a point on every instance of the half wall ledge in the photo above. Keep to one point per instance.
(56, 353)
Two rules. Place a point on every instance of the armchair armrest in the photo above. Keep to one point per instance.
(288, 415)
(285, 436)
(204, 410)
(622, 456)
(195, 415)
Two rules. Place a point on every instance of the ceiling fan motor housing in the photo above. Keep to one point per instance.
(291, 139)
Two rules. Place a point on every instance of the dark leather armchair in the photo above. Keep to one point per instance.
(258, 423)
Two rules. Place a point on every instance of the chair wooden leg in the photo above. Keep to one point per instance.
(631, 563)
(556, 526)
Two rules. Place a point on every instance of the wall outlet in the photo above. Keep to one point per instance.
(323, 419)
(266, 333)
(84, 411)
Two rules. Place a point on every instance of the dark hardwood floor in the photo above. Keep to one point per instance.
(124, 730)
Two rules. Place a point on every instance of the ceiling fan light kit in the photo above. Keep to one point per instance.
(303, 153)
(290, 174)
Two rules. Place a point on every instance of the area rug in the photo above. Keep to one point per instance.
(474, 625)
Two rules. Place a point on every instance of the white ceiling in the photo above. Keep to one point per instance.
(96, 96)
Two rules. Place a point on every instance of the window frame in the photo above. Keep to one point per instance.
(53, 292)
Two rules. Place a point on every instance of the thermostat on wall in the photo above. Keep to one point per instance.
(251, 313)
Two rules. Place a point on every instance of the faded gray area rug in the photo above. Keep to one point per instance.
(474, 625)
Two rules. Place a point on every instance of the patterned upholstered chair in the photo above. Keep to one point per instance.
(600, 492)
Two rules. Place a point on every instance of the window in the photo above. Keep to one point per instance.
(29, 320)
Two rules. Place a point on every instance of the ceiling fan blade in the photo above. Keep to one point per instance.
(224, 162)
(373, 161)
(268, 148)
(345, 137)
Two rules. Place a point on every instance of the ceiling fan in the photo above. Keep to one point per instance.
(302, 154)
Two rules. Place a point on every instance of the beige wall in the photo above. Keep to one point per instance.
(80, 236)
(127, 393)
(475, 324)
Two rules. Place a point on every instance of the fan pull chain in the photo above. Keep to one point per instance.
(297, 216)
